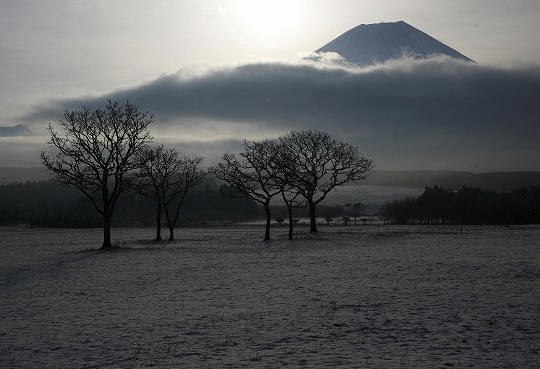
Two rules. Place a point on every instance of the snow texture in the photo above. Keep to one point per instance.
(370, 44)
(350, 297)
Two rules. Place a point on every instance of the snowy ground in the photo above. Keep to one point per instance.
(352, 297)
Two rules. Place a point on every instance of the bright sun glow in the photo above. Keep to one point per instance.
(269, 21)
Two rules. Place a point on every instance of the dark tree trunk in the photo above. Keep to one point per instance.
(289, 208)
(268, 216)
(312, 218)
(106, 213)
(158, 221)
(106, 231)
(172, 222)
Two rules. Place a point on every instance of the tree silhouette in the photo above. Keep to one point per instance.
(185, 174)
(251, 174)
(319, 163)
(291, 201)
(159, 170)
(95, 151)
(466, 206)
(281, 162)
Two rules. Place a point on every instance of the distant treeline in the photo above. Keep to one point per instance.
(495, 181)
(467, 206)
(46, 203)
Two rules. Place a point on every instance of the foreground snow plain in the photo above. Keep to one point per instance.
(350, 297)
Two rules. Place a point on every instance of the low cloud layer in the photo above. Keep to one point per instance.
(14, 131)
(448, 110)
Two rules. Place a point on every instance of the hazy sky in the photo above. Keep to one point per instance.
(61, 50)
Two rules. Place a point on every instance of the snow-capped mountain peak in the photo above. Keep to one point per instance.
(369, 44)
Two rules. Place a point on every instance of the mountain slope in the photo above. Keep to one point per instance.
(376, 43)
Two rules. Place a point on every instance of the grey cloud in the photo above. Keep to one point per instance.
(211, 150)
(13, 131)
(437, 105)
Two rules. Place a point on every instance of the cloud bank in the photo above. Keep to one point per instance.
(14, 131)
(449, 110)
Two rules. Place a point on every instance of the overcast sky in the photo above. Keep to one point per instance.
(54, 51)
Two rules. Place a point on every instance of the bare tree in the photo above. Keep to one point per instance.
(95, 151)
(291, 199)
(252, 175)
(319, 163)
(158, 172)
(281, 161)
(185, 173)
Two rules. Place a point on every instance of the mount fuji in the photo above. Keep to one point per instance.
(369, 44)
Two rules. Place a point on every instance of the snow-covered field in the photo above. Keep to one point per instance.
(351, 297)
